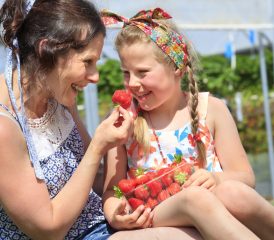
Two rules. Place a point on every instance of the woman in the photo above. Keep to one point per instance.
(45, 190)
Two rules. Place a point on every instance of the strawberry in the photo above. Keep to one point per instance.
(155, 187)
(151, 203)
(126, 185)
(174, 188)
(177, 158)
(117, 192)
(135, 172)
(142, 179)
(187, 168)
(167, 180)
(141, 192)
(180, 177)
(122, 97)
(151, 175)
(162, 171)
(134, 202)
(139, 175)
(163, 195)
(119, 121)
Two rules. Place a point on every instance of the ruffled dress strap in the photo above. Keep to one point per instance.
(8, 113)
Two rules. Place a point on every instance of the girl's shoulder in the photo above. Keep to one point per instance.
(217, 110)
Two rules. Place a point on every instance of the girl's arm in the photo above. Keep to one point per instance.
(115, 168)
(229, 148)
(26, 199)
(117, 210)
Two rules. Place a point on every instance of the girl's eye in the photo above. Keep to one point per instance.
(142, 74)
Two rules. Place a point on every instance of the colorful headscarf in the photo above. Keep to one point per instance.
(21, 114)
(169, 41)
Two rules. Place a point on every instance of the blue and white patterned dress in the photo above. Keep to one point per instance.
(60, 150)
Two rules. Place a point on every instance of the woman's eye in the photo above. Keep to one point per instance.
(88, 61)
(126, 74)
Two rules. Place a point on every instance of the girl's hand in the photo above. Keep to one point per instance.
(123, 219)
(109, 135)
(202, 178)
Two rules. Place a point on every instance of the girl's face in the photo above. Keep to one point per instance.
(152, 83)
(76, 71)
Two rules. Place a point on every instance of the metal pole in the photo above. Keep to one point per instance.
(91, 108)
(267, 110)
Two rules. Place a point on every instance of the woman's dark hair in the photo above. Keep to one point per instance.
(64, 24)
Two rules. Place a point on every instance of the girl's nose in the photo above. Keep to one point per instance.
(134, 81)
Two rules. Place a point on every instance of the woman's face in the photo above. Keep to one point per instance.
(152, 83)
(75, 71)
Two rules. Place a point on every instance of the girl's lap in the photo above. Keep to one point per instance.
(159, 233)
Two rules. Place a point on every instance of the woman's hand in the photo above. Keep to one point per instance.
(109, 135)
(123, 219)
(202, 178)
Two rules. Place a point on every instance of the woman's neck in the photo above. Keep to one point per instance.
(35, 103)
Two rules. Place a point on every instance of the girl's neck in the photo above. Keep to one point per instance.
(165, 116)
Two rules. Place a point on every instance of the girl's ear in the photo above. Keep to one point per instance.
(179, 72)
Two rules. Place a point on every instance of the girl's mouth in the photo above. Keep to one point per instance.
(142, 97)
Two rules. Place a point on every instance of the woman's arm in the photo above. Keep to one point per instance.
(80, 125)
(229, 148)
(26, 199)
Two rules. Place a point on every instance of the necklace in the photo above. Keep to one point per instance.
(157, 138)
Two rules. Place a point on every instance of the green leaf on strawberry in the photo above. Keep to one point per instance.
(117, 192)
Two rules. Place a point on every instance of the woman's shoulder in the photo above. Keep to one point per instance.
(9, 129)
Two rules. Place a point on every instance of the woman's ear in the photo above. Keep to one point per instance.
(42, 45)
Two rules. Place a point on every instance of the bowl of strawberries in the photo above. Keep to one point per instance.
(151, 187)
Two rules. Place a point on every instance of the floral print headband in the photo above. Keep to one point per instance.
(169, 41)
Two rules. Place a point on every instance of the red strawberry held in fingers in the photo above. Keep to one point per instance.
(135, 202)
(122, 97)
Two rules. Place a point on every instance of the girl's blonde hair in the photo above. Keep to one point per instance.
(130, 35)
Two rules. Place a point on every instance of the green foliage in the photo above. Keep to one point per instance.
(111, 79)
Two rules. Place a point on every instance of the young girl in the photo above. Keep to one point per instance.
(218, 199)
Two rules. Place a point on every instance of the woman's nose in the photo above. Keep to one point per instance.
(93, 76)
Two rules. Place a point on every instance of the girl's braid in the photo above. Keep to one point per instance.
(193, 104)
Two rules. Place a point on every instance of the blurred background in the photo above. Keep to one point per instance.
(235, 42)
